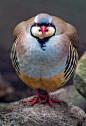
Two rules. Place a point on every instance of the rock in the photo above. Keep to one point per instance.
(80, 76)
(2, 105)
(22, 114)
(70, 94)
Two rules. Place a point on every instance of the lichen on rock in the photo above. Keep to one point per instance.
(80, 76)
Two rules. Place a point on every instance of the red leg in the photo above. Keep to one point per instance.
(46, 98)
(50, 101)
(28, 100)
(34, 99)
(59, 101)
(38, 96)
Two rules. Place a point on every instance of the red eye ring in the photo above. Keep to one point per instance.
(37, 25)
(49, 25)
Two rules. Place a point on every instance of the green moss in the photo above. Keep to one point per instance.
(2, 105)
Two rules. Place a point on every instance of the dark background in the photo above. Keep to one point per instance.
(13, 12)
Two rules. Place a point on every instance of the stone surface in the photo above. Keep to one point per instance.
(2, 105)
(22, 114)
(80, 76)
(70, 94)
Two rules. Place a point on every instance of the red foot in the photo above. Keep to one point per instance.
(46, 98)
(34, 99)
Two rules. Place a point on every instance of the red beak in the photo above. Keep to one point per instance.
(43, 29)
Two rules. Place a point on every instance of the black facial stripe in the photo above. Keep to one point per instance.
(33, 25)
(45, 24)
(43, 41)
(51, 25)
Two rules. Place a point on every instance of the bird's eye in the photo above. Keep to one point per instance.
(49, 25)
(37, 25)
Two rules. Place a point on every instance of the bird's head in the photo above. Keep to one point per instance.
(43, 26)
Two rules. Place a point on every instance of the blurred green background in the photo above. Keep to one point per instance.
(13, 12)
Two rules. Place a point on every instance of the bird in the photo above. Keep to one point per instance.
(44, 55)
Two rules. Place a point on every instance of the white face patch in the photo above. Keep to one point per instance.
(36, 63)
(36, 32)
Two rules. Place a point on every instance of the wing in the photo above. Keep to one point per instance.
(21, 27)
(72, 57)
(72, 34)
(14, 58)
(71, 62)
(18, 29)
(67, 29)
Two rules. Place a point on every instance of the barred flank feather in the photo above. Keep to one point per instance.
(71, 62)
(14, 57)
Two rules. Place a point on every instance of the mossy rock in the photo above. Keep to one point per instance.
(80, 75)
(2, 105)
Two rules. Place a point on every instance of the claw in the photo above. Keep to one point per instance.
(59, 101)
(25, 100)
(50, 102)
(46, 98)
(34, 101)
(38, 96)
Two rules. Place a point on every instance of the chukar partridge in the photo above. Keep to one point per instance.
(44, 54)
